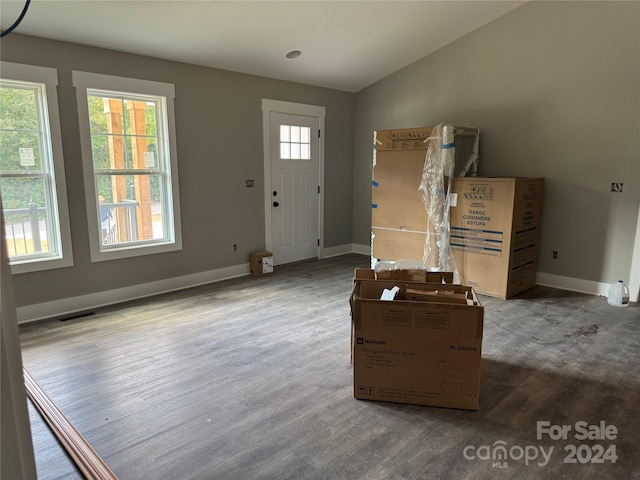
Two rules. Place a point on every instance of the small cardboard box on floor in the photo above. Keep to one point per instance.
(495, 230)
(422, 348)
(261, 263)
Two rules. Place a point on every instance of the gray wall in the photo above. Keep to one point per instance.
(219, 142)
(555, 89)
(553, 86)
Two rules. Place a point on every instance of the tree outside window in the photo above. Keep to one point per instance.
(130, 165)
(31, 170)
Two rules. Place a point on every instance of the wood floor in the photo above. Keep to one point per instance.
(251, 379)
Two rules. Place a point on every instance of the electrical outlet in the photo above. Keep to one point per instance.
(616, 187)
(250, 183)
(554, 254)
(235, 247)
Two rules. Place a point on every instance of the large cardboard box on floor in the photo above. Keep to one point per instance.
(398, 216)
(422, 348)
(399, 220)
(495, 231)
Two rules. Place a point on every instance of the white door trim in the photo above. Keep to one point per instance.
(279, 106)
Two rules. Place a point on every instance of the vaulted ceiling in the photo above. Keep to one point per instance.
(345, 45)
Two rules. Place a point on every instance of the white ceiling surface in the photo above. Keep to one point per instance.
(346, 45)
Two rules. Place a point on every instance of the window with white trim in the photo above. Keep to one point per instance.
(129, 157)
(32, 181)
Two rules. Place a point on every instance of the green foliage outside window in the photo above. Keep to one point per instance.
(100, 143)
(19, 130)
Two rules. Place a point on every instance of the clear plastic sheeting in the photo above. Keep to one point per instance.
(435, 188)
(466, 143)
(403, 264)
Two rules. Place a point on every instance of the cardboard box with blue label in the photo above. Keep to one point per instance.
(495, 232)
(424, 347)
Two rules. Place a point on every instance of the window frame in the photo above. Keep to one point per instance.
(47, 78)
(84, 83)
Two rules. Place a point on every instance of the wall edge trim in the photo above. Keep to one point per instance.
(83, 303)
(572, 284)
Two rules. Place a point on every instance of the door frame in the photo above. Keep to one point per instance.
(278, 106)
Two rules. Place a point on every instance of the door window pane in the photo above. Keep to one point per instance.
(295, 142)
(284, 133)
(295, 134)
(295, 151)
(304, 135)
(285, 151)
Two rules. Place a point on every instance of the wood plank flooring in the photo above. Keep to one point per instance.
(251, 379)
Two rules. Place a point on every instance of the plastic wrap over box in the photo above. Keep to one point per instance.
(412, 172)
(398, 219)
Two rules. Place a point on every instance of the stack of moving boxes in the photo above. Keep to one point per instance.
(495, 222)
(425, 346)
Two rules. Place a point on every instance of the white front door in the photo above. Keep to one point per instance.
(294, 192)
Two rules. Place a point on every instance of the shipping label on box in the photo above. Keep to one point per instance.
(402, 139)
(480, 218)
(267, 264)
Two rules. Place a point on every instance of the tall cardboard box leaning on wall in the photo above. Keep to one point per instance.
(423, 348)
(261, 263)
(398, 216)
(399, 219)
(495, 232)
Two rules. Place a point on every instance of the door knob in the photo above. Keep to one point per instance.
(275, 204)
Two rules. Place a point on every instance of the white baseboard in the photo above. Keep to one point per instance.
(83, 303)
(338, 250)
(75, 305)
(362, 249)
(346, 248)
(548, 280)
(572, 284)
(558, 281)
